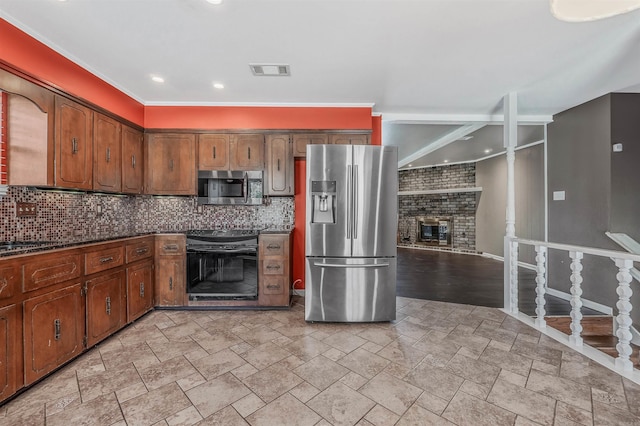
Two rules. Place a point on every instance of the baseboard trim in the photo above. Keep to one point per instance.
(585, 302)
(501, 259)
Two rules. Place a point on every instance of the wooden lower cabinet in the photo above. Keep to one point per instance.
(10, 351)
(54, 327)
(274, 269)
(106, 309)
(170, 281)
(139, 290)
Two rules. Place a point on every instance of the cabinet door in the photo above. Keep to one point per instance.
(301, 141)
(171, 164)
(213, 152)
(10, 351)
(106, 311)
(74, 145)
(139, 290)
(132, 161)
(10, 279)
(348, 139)
(107, 158)
(279, 179)
(247, 152)
(53, 330)
(170, 281)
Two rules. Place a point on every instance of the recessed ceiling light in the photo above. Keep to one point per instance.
(446, 161)
(157, 79)
(214, 1)
(410, 165)
(218, 85)
(486, 151)
(270, 70)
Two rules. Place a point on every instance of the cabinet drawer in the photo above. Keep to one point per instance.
(139, 250)
(10, 278)
(46, 270)
(273, 267)
(273, 285)
(171, 245)
(102, 260)
(272, 245)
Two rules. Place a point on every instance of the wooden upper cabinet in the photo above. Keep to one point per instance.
(170, 164)
(73, 145)
(246, 152)
(348, 139)
(132, 160)
(279, 166)
(107, 158)
(213, 152)
(300, 142)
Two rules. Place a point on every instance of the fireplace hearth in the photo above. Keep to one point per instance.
(434, 231)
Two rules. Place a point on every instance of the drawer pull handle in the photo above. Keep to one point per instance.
(249, 153)
(133, 161)
(74, 145)
(142, 250)
(108, 155)
(142, 289)
(171, 247)
(270, 267)
(171, 164)
(170, 283)
(273, 246)
(108, 300)
(56, 328)
(106, 259)
(214, 152)
(273, 286)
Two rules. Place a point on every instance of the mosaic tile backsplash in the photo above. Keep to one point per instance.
(65, 216)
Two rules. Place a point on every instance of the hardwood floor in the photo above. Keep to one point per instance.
(467, 279)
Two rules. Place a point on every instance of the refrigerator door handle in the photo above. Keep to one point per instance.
(335, 265)
(349, 201)
(355, 202)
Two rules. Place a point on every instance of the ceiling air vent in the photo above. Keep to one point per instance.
(270, 70)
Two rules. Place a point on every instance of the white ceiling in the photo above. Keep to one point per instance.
(430, 67)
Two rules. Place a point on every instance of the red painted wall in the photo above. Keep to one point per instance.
(26, 54)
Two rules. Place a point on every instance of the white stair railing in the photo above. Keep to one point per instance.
(630, 245)
(624, 262)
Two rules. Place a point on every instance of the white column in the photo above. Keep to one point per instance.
(510, 108)
(623, 319)
(541, 279)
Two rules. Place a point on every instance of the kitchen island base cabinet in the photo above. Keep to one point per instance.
(139, 290)
(274, 269)
(106, 311)
(10, 351)
(54, 328)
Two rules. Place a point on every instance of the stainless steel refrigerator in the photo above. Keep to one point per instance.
(351, 232)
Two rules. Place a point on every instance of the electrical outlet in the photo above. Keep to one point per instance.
(26, 210)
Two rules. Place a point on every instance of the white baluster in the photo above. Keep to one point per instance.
(541, 269)
(513, 253)
(623, 319)
(576, 302)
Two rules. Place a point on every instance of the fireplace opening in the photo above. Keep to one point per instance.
(435, 231)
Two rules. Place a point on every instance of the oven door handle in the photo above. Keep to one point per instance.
(221, 251)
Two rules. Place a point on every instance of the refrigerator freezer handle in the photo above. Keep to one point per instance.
(349, 201)
(355, 202)
(335, 265)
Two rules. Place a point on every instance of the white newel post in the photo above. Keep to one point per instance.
(541, 279)
(576, 301)
(623, 319)
(510, 107)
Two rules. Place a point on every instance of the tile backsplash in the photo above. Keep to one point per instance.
(64, 215)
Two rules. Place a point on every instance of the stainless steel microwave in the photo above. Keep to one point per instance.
(230, 187)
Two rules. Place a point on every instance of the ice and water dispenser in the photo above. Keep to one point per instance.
(323, 196)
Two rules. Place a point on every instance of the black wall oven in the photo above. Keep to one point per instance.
(222, 265)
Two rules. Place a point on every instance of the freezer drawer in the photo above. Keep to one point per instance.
(350, 289)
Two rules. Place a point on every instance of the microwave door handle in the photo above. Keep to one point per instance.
(246, 187)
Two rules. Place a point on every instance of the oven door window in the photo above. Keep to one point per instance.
(219, 275)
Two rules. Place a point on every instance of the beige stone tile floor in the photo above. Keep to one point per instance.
(438, 363)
